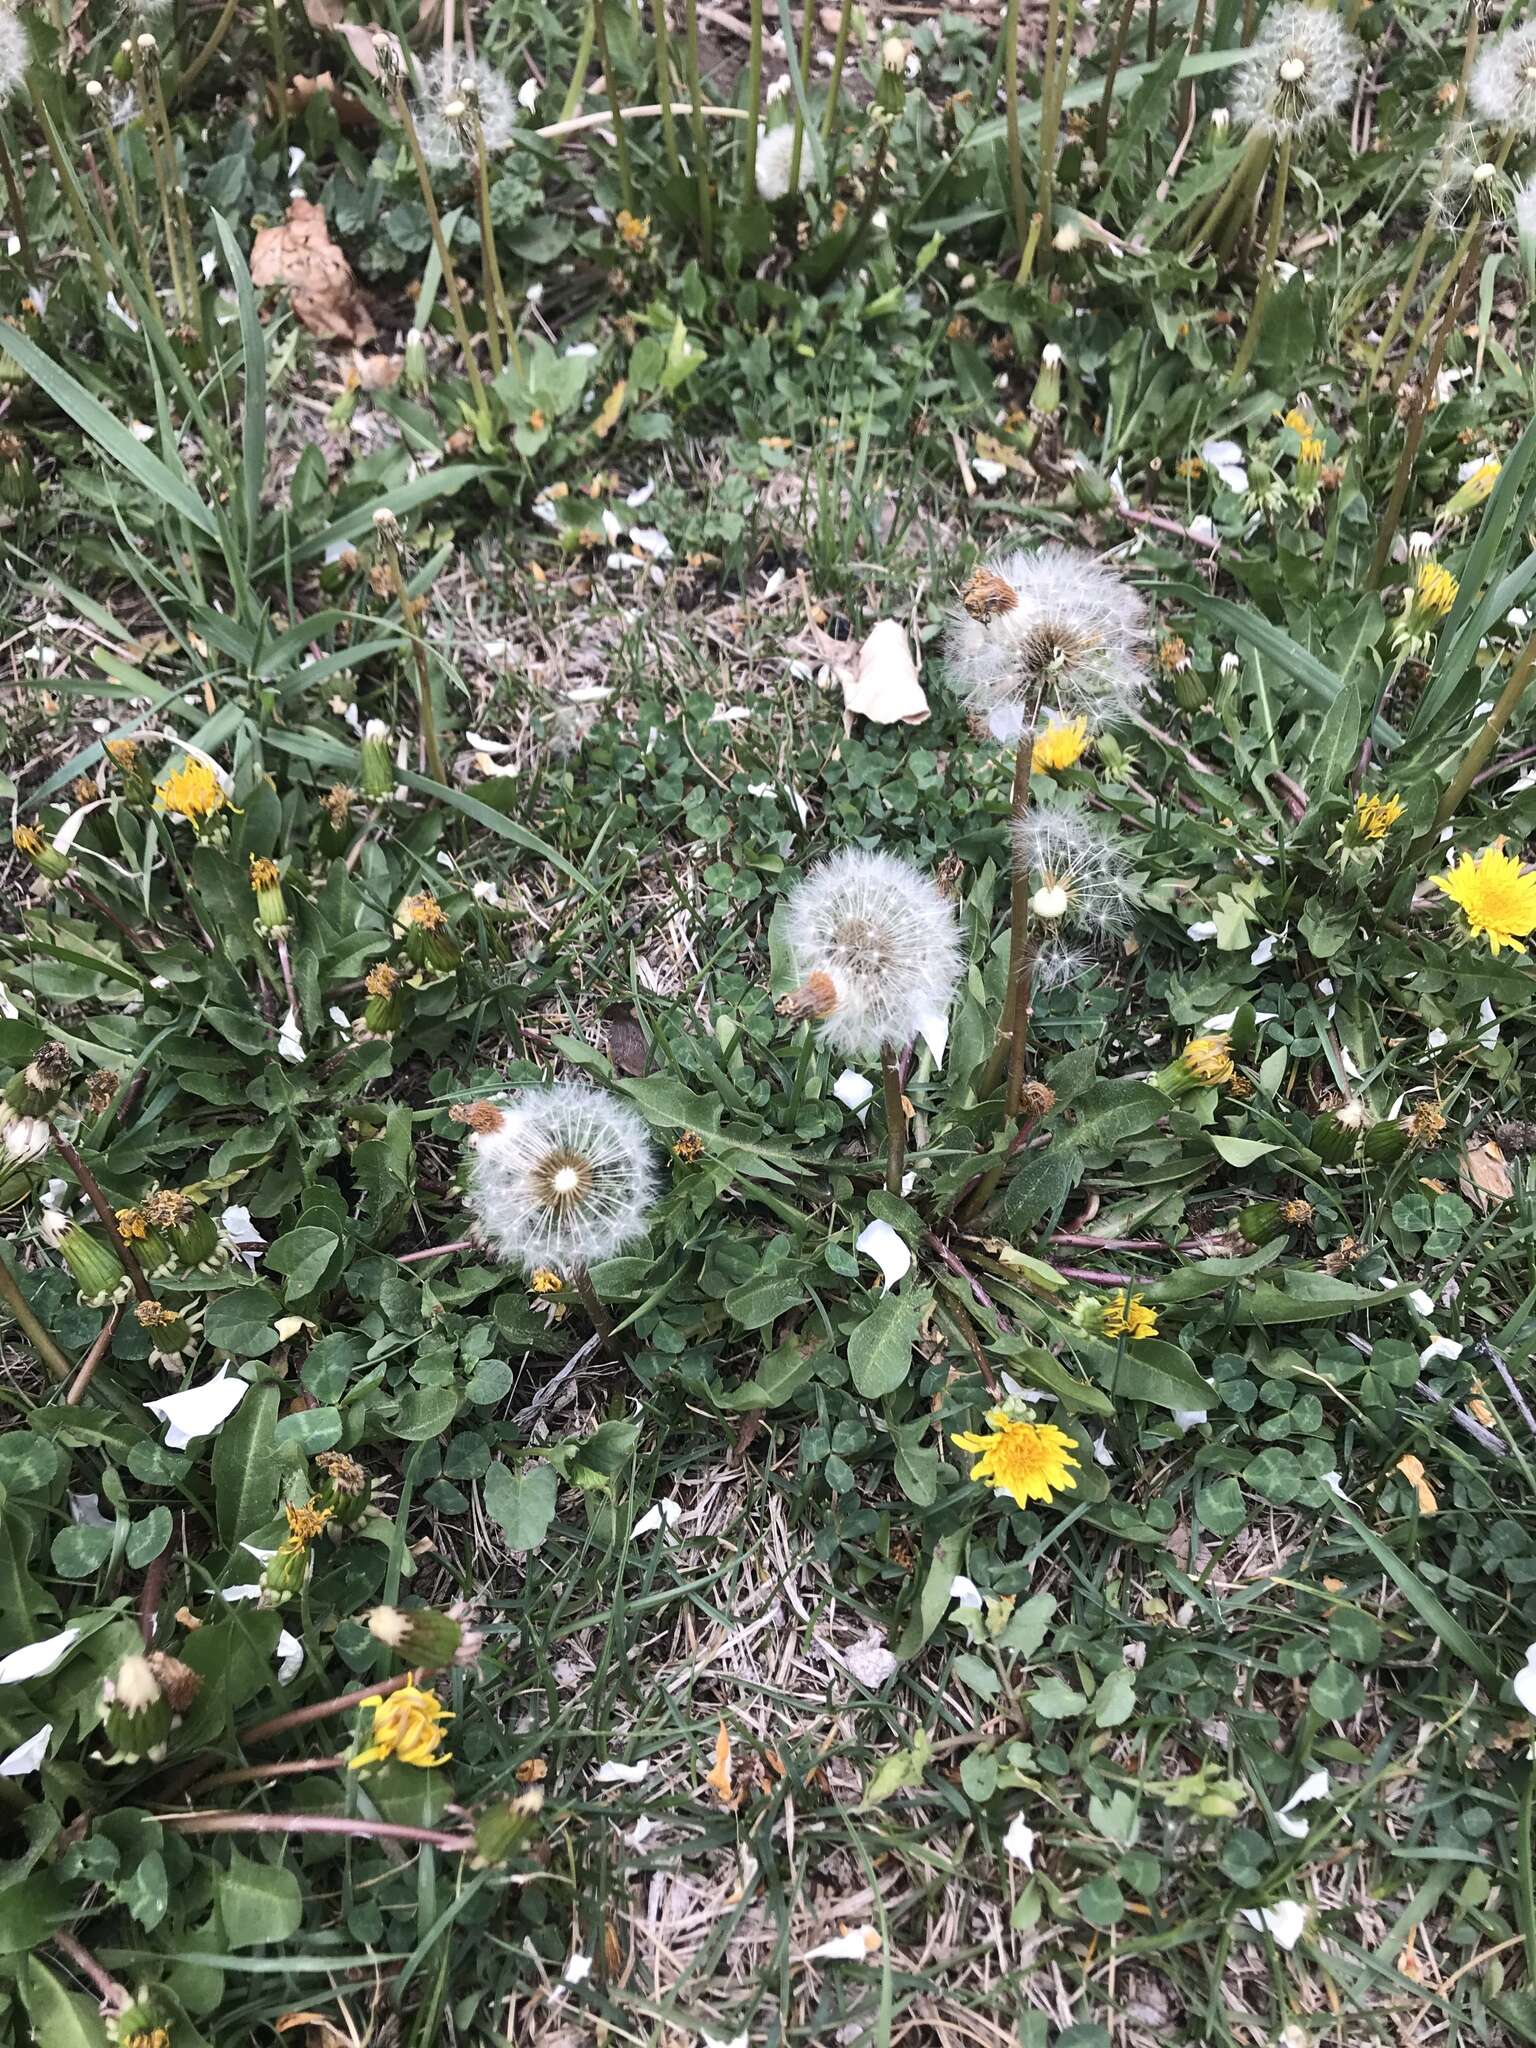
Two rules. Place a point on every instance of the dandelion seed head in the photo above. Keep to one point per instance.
(1071, 644)
(1060, 964)
(565, 1179)
(1502, 88)
(1080, 876)
(888, 943)
(775, 148)
(1468, 186)
(1524, 209)
(1299, 71)
(449, 89)
(15, 54)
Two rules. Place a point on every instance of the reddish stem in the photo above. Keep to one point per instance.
(436, 1251)
(311, 1824)
(301, 1717)
(93, 1358)
(114, 1996)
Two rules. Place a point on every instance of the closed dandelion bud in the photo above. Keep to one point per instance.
(1426, 1126)
(93, 1265)
(1476, 487)
(39, 1087)
(189, 1230)
(1204, 1063)
(335, 827)
(135, 1712)
(1091, 489)
(1336, 1134)
(1189, 691)
(36, 847)
(344, 1490)
(422, 925)
(385, 1007)
(505, 1831)
(1047, 392)
(376, 771)
(418, 1636)
(1221, 121)
(891, 86)
(271, 909)
(288, 1567)
(1263, 1222)
(414, 374)
(1385, 1143)
(127, 758)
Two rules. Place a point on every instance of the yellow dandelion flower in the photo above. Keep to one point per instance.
(406, 1724)
(1209, 1060)
(1026, 1460)
(1311, 452)
(1376, 815)
(424, 911)
(1299, 421)
(192, 791)
(1496, 897)
(1434, 590)
(1059, 746)
(632, 232)
(264, 873)
(543, 1280)
(1130, 1315)
(1477, 487)
(305, 1524)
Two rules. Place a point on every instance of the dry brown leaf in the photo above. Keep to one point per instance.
(349, 111)
(301, 255)
(377, 373)
(719, 1779)
(1485, 1177)
(1413, 1471)
(323, 2032)
(612, 406)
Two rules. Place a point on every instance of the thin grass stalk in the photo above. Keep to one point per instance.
(127, 196)
(178, 195)
(1116, 59)
(664, 86)
(1018, 919)
(1015, 138)
(615, 107)
(490, 269)
(386, 528)
(895, 1119)
(1196, 38)
(807, 23)
(444, 258)
(700, 135)
(754, 101)
(576, 91)
(15, 202)
(1487, 738)
(279, 41)
(74, 199)
(1267, 276)
(1411, 439)
(210, 49)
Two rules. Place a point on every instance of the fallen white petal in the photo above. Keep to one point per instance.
(881, 682)
(888, 1249)
(933, 1029)
(1225, 457)
(1437, 1038)
(1102, 1454)
(1264, 951)
(1019, 1842)
(856, 1946)
(852, 1090)
(1285, 1921)
(1334, 1484)
(290, 1657)
(662, 1513)
(27, 1756)
(1206, 929)
(1189, 1418)
(650, 540)
(339, 1017)
(235, 1594)
(85, 1511)
(1317, 1786)
(290, 1040)
(577, 1967)
(198, 1411)
(1441, 1347)
(1423, 1302)
(36, 1660)
(612, 1773)
(642, 1831)
(528, 94)
(989, 472)
(965, 1591)
(710, 2040)
(1488, 1039)
(1020, 1393)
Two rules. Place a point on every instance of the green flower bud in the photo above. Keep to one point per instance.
(50, 863)
(189, 1231)
(503, 1832)
(414, 375)
(1336, 1134)
(422, 925)
(144, 2023)
(1091, 489)
(891, 86)
(376, 773)
(271, 907)
(170, 1335)
(420, 1636)
(93, 1264)
(135, 1712)
(385, 1007)
(1384, 1143)
(1189, 691)
(1047, 392)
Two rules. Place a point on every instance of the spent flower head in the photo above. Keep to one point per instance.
(407, 1725)
(562, 1178)
(15, 54)
(481, 96)
(1299, 71)
(1469, 186)
(775, 149)
(1502, 88)
(1079, 876)
(877, 948)
(1050, 633)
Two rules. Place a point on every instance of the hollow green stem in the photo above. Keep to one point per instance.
(895, 1120)
(615, 105)
(444, 256)
(1267, 279)
(1487, 739)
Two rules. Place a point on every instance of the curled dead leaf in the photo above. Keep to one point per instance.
(1485, 1176)
(350, 111)
(1412, 1470)
(301, 255)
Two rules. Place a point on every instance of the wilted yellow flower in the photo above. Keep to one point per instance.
(1059, 746)
(305, 1524)
(264, 873)
(1475, 490)
(1209, 1060)
(1376, 815)
(632, 232)
(406, 1724)
(543, 1280)
(1496, 898)
(424, 911)
(192, 791)
(1129, 1314)
(1026, 1460)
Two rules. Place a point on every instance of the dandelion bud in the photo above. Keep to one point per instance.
(1385, 1143)
(1230, 665)
(145, 2022)
(891, 86)
(424, 1638)
(1047, 392)
(385, 1006)
(345, 1489)
(1091, 488)
(504, 1831)
(886, 940)
(1204, 1063)
(1336, 1134)
(422, 924)
(189, 1230)
(271, 908)
(170, 1335)
(135, 1713)
(386, 55)
(816, 997)
(39, 1087)
(1476, 486)
(31, 844)
(288, 1567)
(563, 1180)
(376, 772)
(18, 472)
(128, 760)
(1263, 1222)
(1115, 1316)
(1426, 602)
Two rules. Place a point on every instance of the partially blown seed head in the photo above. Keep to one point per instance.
(565, 1178)
(15, 54)
(1502, 87)
(1525, 209)
(775, 148)
(1299, 71)
(1079, 877)
(1049, 633)
(460, 84)
(883, 940)
(1469, 186)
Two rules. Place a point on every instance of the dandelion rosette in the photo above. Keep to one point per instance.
(1050, 632)
(1299, 71)
(877, 947)
(1502, 88)
(560, 1177)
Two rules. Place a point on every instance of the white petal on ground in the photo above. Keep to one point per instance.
(1285, 1920)
(198, 1411)
(290, 1040)
(1523, 1684)
(36, 1660)
(290, 1657)
(1226, 458)
(1318, 1786)
(881, 683)
(1102, 1454)
(247, 1239)
(853, 1090)
(1189, 1418)
(614, 1773)
(234, 1594)
(85, 1511)
(888, 1249)
(933, 1026)
(661, 1514)
(1488, 1039)
(710, 2040)
(870, 1662)
(1019, 1842)
(1440, 1347)
(1201, 932)
(965, 1591)
(577, 1967)
(1333, 1483)
(857, 1945)
(27, 1756)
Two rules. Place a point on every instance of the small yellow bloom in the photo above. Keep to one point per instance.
(1189, 470)
(1299, 421)
(1129, 1314)
(381, 980)
(1434, 590)
(543, 1280)
(305, 1524)
(1026, 1460)
(1496, 897)
(132, 1225)
(1059, 747)
(423, 910)
(407, 1725)
(1376, 815)
(1209, 1060)
(633, 233)
(1173, 654)
(1311, 452)
(689, 1147)
(192, 791)
(264, 873)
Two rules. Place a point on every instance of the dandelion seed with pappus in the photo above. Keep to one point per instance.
(1502, 88)
(877, 947)
(1299, 71)
(473, 87)
(1080, 876)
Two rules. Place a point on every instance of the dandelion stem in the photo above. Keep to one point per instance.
(74, 199)
(210, 50)
(1053, 91)
(802, 1068)
(1267, 277)
(839, 59)
(807, 26)
(754, 102)
(611, 88)
(92, 1359)
(312, 1824)
(700, 134)
(321, 1710)
(1018, 919)
(444, 258)
(426, 713)
(597, 1315)
(114, 1996)
(50, 1356)
(1015, 138)
(296, 1767)
(91, 1188)
(895, 1120)
(1021, 995)
(435, 1251)
(1116, 58)
(162, 185)
(664, 85)
(1487, 738)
